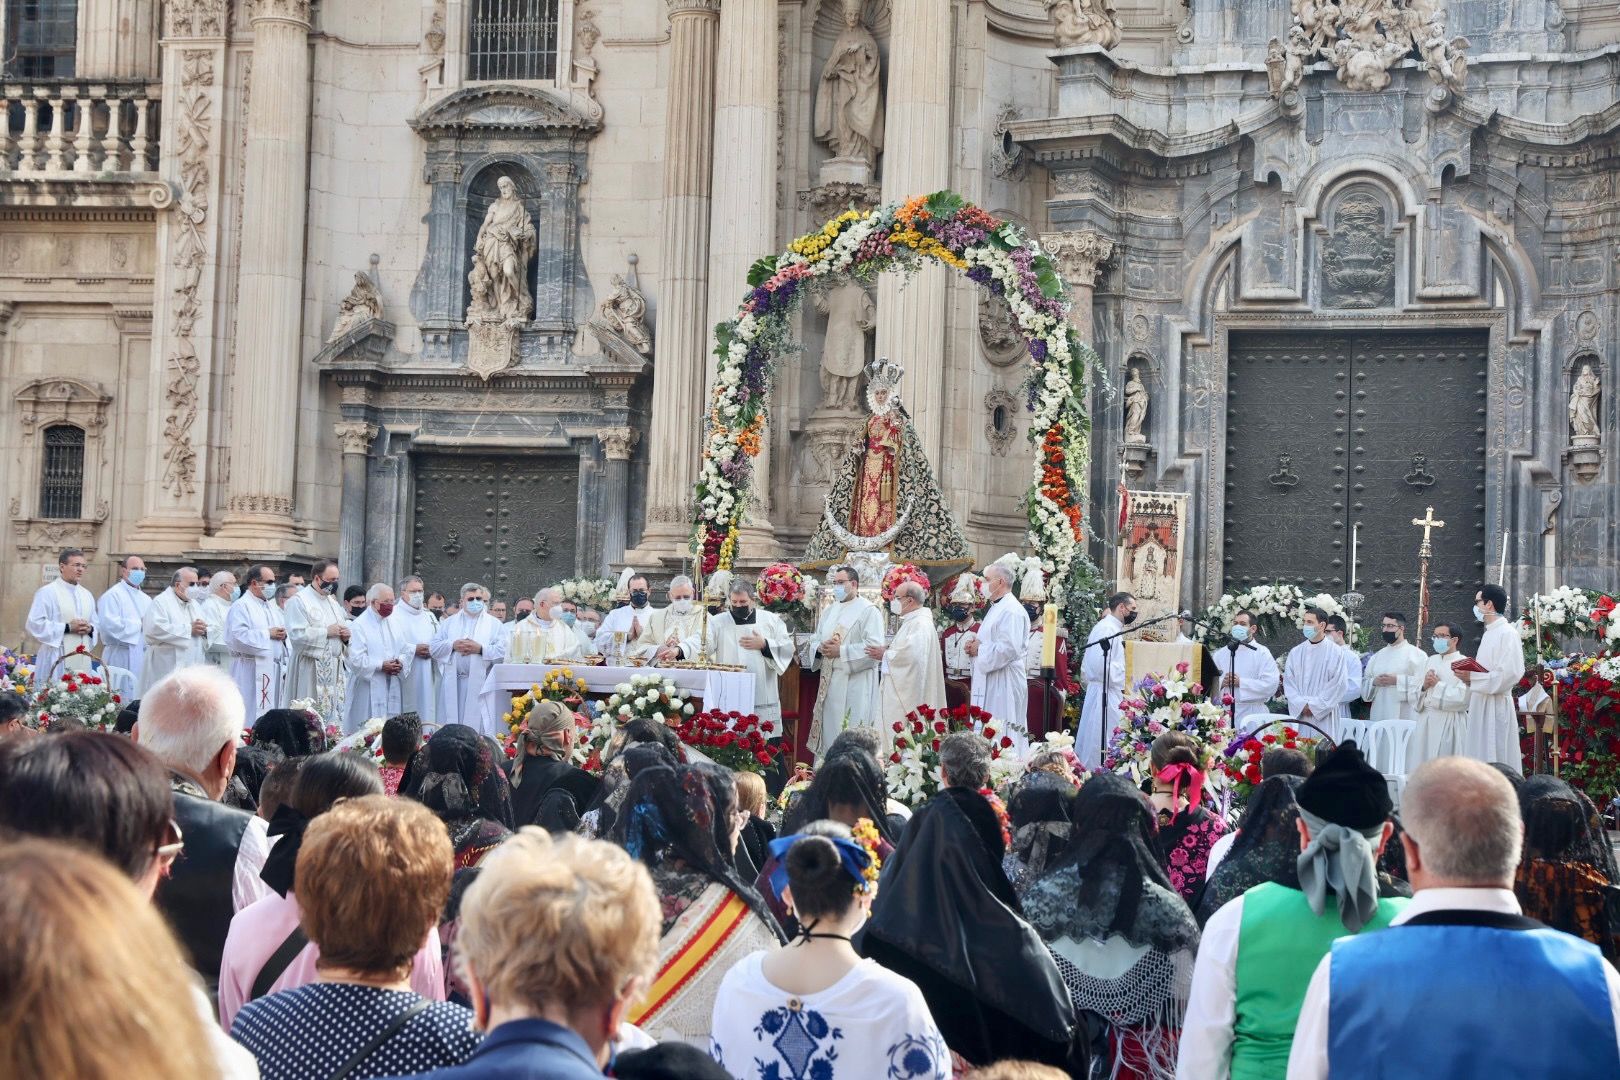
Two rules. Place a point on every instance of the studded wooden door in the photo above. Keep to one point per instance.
(1327, 430)
(506, 522)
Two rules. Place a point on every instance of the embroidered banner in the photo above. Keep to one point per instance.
(1150, 550)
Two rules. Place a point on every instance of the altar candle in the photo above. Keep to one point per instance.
(1049, 637)
(1355, 547)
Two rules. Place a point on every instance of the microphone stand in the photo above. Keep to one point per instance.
(1232, 646)
(1106, 644)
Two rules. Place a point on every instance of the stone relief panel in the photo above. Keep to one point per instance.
(1358, 253)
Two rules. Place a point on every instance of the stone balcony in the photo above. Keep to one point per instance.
(80, 143)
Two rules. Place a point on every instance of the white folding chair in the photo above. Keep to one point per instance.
(1359, 730)
(121, 681)
(1387, 749)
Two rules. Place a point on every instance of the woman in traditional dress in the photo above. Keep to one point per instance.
(547, 788)
(1040, 810)
(617, 761)
(1566, 876)
(1123, 939)
(680, 823)
(1266, 847)
(1187, 829)
(456, 777)
(853, 1017)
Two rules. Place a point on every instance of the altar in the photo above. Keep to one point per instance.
(725, 691)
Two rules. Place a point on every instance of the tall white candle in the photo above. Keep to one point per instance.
(1501, 575)
(1355, 547)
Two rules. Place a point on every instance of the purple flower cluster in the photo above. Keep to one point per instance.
(754, 370)
(956, 234)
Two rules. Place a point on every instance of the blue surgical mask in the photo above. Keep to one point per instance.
(1310, 633)
(1240, 633)
(136, 577)
(1479, 613)
(236, 592)
(1442, 645)
(474, 607)
(568, 618)
(841, 592)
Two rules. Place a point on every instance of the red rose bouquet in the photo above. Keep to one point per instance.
(1241, 764)
(739, 741)
(895, 576)
(913, 771)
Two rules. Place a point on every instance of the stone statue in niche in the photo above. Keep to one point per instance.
(849, 101)
(1584, 398)
(501, 255)
(362, 305)
(1083, 22)
(625, 311)
(1136, 407)
(1276, 67)
(851, 315)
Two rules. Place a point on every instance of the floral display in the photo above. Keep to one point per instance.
(1241, 760)
(866, 834)
(652, 697)
(16, 671)
(739, 741)
(560, 684)
(857, 244)
(366, 742)
(1563, 614)
(1588, 734)
(1159, 704)
(895, 576)
(781, 590)
(1279, 610)
(1010, 767)
(81, 696)
(913, 769)
(589, 592)
(1002, 817)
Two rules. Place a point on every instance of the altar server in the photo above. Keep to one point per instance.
(1254, 679)
(964, 596)
(631, 620)
(121, 618)
(416, 626)
(1493, 727)
(543, 637)
(318, 630)
(1097, 718)
(847, 697)
(1394, 675)
(755, 639)
(380, 659)
(256, 635)
(60, 620)
(1319, 676)
(176, 632)
(912, 673)
(998, 652)
(1442, 705)
(680, 621)
(465, 646)
(215, 606)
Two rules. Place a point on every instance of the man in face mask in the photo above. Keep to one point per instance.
(1248, 670)
(1442, 704)
(543, 637)
(680, 621)
(1394, 675)
(256, 635)
(464, 647)
(216, 605)
(1098, 717)
(964, 595)
(631, 620)
(120, 615)
(380, 659)
(913, 672)
(318, 630)
(756, 640)
(522, 609)
(415, 626)
(1319, 675)
(436, 604)
(354, 601)
(849, 675)
(1492, 713)
(176, 632)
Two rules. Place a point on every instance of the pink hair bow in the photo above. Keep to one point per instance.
(1176, 774)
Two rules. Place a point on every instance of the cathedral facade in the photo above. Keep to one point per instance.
(431, 284)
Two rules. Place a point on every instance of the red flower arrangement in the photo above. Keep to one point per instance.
(1243, 767)
(1055, 479)
(895, 576)
(739, 741)
(781, 589)
(913, 770)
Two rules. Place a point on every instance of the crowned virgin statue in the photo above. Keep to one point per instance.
(885, 496)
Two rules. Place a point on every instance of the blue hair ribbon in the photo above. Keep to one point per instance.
(852, 855)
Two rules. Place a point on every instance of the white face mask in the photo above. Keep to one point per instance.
(896, 607)
(681, 607)
(841, 591)
(414, 599)
(197, 593)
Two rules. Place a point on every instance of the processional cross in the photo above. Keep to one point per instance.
(1425, 552)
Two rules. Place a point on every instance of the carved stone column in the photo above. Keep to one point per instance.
(264, 386)
(617, 445)
(679, 391)
(1079, 257)
(744, 213)
(916, 161)
(356, 438)
(181, 361)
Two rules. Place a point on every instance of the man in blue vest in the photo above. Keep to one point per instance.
(1462, 984)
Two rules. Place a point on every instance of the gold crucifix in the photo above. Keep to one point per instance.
(1428, 523)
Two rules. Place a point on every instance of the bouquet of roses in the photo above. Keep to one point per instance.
(651, 696)
(739, 741)
(781, 589)
(913, 770)
(589, 592)
(895, 576)
(1241, 761)
(366, 743)
(1160, 704)
(77, 695)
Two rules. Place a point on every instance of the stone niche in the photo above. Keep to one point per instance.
(474, 137)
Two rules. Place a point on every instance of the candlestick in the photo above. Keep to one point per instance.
(1049, 637)
(1355, 547)
(1501, 576)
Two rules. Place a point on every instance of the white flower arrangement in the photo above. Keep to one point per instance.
(588, 592)
(366, 742)
(1566, 612)
(1276, 607)
(651, 696)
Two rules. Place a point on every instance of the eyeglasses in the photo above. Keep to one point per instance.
(170, 850)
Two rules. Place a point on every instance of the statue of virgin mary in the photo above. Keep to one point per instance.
(885, 496)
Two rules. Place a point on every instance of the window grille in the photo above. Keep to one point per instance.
(512, 39)
(61, 485)
(41, 36)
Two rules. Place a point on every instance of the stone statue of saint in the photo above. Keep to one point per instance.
(849, 104)
(625, 310)
(1083, 22)
(1136, 406)
(363, 304)
(850, 313)
(1583, 405)
(501, 255)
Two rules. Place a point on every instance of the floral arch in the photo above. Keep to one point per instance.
(902, 237)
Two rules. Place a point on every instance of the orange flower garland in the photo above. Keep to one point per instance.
(1055, 479)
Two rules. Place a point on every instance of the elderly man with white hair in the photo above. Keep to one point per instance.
(415, 626)
(174, 628)
(669, 626)
(192, 720)
(999, 686)
(465, 646)
(216, 607)
(380, 660)
(543, 637)
(1436, 993)
(848, 694)
(913, 673)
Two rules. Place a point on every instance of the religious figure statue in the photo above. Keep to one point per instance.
(849, 104)
(874, 509)
(501, 254)
(1583, 405)
(850, 317)
(1083, 22)
(625, 311)
(1364, 39)
(363, 304)
(1276, 67)
(1136, 406)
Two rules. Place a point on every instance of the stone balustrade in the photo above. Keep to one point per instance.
(80, 128)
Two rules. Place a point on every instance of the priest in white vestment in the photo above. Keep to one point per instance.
(631, 620)
(318, 630)
(1394, 675)
(999, 684)
(216, 606)
(847, 696)
(121, 621)
(1493, 721)
(175, 630)
(256, 635)
(757, 640)
(380, 660)
(913, 673)
(466, 645)
(1318, 677)
(60, 619)
(1253, 679)
(415, 626)
(1442, 704)
(543, 638)
(681, 621)
(1099, 713)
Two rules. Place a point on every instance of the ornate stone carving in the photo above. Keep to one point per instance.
(1136, 406)
(1079, 256)
(1358, 259)
(288, 10)
(355, 436)
(1363, 39)
(1584, 398)
(431, 51)
(1285, 477)
(1083, 22)
(618, 443)
(851, 315)
(624, 313)
(276, 505)
(586, 35)
(194, 18)
(998, 330)
(828, 438)
(833, 198)
(849, 101)
(500, 266)
(1002, 428)
(1007, 157)
(362, 305)
(1419, 476)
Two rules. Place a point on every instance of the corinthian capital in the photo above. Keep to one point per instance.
(693, 7)
(1078, 255)
(617, 443)
(355, 435)
(279, 10)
